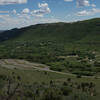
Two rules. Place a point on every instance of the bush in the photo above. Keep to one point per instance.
(66, 90)
(51, 94)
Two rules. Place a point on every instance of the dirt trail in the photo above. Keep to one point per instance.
(22, 64)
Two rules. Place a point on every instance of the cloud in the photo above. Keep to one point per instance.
(6, 2)
(68, 0)
(93, 5)
(38, 15)
(14, 11)
(26, 17)
(25, 11)
(89, 12)
(83, 13)
(81, 3)
(4, 11)
(10, 22)
(4, 16)
(43, 9)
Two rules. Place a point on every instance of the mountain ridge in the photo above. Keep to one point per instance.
(70, 31)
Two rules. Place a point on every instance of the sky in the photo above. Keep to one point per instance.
(22, 13)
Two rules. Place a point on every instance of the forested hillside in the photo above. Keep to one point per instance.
(69, 47)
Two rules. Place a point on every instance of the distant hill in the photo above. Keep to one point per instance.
(1, 31)
(55, 34)
(69, 32)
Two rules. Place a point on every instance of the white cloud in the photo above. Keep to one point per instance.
(44, 9)
(38, 15)
(43, 5)
(93, 5)
(14, 11)
(24, 16)
(4, 11)
(68, 0)
(81, 3)
(25, 11)
(6, 2)
(4, 16)
(96, 10)
(89, 12)
(9, 22)
(83, 13)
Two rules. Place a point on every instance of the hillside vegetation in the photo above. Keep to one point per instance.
(31, 84)
(57, 61)
(68, 47)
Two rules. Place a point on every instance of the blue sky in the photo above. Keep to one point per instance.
(21, 13)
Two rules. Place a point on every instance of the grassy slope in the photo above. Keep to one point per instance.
(31, 76)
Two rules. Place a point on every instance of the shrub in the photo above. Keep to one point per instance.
(66, 90)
